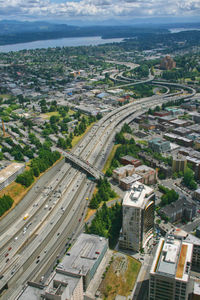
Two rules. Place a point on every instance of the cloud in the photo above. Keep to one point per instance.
(98, 8)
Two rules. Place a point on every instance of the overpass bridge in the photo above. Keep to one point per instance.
(81, 164)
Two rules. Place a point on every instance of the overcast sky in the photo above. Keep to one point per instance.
(96, 9)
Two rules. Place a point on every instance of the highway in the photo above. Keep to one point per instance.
(57, 210)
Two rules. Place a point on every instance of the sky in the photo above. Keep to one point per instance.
(60, 10)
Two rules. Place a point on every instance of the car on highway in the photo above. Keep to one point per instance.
(6, 254)
(7, 260)
(60, 266)
(26, 216)
(9, 248)
(16, 238)
(37, 261)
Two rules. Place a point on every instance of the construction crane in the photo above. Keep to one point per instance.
(3, 128)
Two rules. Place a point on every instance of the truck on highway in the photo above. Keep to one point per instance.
(26, 216)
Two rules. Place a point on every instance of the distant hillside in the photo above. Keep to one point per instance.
(13, 32)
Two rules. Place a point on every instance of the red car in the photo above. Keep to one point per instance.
(9, 248)
(6, 254)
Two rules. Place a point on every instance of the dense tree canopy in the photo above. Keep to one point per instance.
(107, 223)
(5, 203)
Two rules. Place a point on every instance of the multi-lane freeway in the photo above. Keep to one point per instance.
(39, 231)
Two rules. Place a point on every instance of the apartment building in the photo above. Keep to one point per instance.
(179, 163)
(123, 172)
(138, 217)
(159, 145)
(170, 270)
(149, 175)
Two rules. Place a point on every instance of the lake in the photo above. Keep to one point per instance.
(63, 42)
(176, 30)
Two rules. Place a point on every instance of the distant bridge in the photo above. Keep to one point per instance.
(86, 166)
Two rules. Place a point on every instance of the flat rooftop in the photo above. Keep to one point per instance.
(178, 122)
(35, 291)
(10, 170)
(144, 169)
(84, 253)
(193, 239)
(31, 293)
(68, 280)
(131, 179)
(138, 195)
(173, 256)
(129, 158)
(123, 169)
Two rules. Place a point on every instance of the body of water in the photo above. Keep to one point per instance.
(63, 42)
(176, 30)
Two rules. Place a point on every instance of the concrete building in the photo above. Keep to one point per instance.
(196, 195)
(180, 209)
(149, 175)
(197, 144)
(195, 241)
(159, 145)
(195, 162)
(127, 182)
(9, 174)
(181, 140)
(170, 270)
(156, 163)
(196, 290)
(182, 131)
(180, 123)
(179, 163)
(85, 256)
(60, 287)
(138, 217)
(195, 117)
(73, 274)
(123, 172)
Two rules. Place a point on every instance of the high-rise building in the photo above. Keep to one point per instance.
(138, 217)
(179, 163)
(170, 270)
(167, 63)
